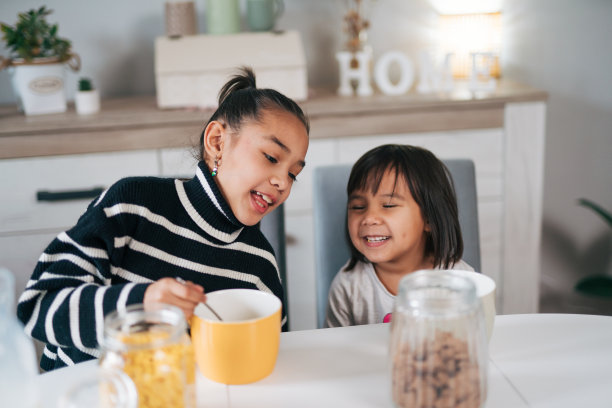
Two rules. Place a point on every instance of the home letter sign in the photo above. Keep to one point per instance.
(432, 77)
(381, 73)
(361, 73)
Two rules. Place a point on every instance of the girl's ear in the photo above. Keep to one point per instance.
(214, 138)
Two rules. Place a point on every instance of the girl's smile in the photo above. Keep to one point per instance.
(261, 201)
(376, 240)
(387, 226)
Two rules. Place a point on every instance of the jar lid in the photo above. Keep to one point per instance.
(165, 323)
(436, 293)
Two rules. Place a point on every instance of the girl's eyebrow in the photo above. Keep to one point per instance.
(280, 144)
(393, 195)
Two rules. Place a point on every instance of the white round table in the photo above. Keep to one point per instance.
(537, 360)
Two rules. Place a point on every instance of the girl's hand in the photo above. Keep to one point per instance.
(170, 291)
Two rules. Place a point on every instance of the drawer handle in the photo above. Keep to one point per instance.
(68, 195)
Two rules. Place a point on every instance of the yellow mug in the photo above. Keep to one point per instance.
(242, 348)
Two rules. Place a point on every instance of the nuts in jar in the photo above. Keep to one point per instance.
(436, 374)
(438, 345)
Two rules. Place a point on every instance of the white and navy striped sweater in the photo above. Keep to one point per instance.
(140, 230)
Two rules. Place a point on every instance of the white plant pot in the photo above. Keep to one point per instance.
(40, 88)
(87, 102)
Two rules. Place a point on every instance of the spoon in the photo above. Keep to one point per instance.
(182, 281)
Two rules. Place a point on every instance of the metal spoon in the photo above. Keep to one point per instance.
(182, 281)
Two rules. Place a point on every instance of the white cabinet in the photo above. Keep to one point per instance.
(19, 253)
(178, 162)
(27, 224)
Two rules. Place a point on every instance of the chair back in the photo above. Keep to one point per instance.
(273, 228)
(329, 213)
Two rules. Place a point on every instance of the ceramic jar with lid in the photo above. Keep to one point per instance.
(438, 346)
(151, 345)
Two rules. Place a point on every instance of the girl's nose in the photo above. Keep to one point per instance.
(371, 218)
(281, 183)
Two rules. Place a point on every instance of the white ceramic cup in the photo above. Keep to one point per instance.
(485, 290)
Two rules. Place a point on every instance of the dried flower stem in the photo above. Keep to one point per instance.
(355, 24)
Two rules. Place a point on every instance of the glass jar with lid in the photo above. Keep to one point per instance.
(18, 370)
(438, 346)
(151, 345)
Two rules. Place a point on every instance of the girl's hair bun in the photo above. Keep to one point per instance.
(245, 79)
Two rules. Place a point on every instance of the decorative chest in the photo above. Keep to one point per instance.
(190, 71)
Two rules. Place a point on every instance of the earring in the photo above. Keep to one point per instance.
(215, 168)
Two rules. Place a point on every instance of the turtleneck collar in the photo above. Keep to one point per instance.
(206, 205)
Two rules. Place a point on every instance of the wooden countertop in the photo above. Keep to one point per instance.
(136, 123)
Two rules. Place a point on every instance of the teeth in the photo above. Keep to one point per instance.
(265, 197)
(376, 239)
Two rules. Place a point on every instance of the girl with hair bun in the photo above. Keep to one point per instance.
(148, 239)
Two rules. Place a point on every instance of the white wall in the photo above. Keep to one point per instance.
(115, 37)
(561, 46)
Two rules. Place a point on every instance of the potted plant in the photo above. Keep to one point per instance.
(599, 284)
(87, 99)
(37, 60)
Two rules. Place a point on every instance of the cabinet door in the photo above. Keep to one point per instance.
(19, 254)
(179, 162)
(23, 181)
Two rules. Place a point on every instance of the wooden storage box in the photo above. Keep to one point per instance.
(190, 71)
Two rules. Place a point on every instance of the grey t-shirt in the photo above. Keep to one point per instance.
(359, 297)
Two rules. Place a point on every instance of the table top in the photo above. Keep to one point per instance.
(539, 360)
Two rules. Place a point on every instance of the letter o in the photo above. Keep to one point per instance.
(381, 73)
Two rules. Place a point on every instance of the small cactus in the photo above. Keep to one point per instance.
(85, 84)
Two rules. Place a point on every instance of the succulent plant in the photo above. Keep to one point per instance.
(598, 285)
(33, 37)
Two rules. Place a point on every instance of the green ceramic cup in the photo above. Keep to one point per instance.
(222, 16)
(262, 14)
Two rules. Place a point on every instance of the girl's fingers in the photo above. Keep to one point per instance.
(169, 298)
(183, 295)
(189, 291)
(185, 305)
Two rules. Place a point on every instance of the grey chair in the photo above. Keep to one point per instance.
(329, 210)
(273, 228)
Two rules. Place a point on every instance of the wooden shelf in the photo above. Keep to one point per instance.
(136, 123)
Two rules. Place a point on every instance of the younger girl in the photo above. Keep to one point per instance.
(402, 217)
(144, 236)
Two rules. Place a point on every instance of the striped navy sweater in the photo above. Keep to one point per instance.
(139, 230)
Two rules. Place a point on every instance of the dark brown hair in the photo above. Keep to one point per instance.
(431, 186)
(241, 100)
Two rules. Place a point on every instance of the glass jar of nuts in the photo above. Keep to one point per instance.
(151, 345)
(438, 346)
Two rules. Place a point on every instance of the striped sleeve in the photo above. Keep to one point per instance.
(70, 291)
